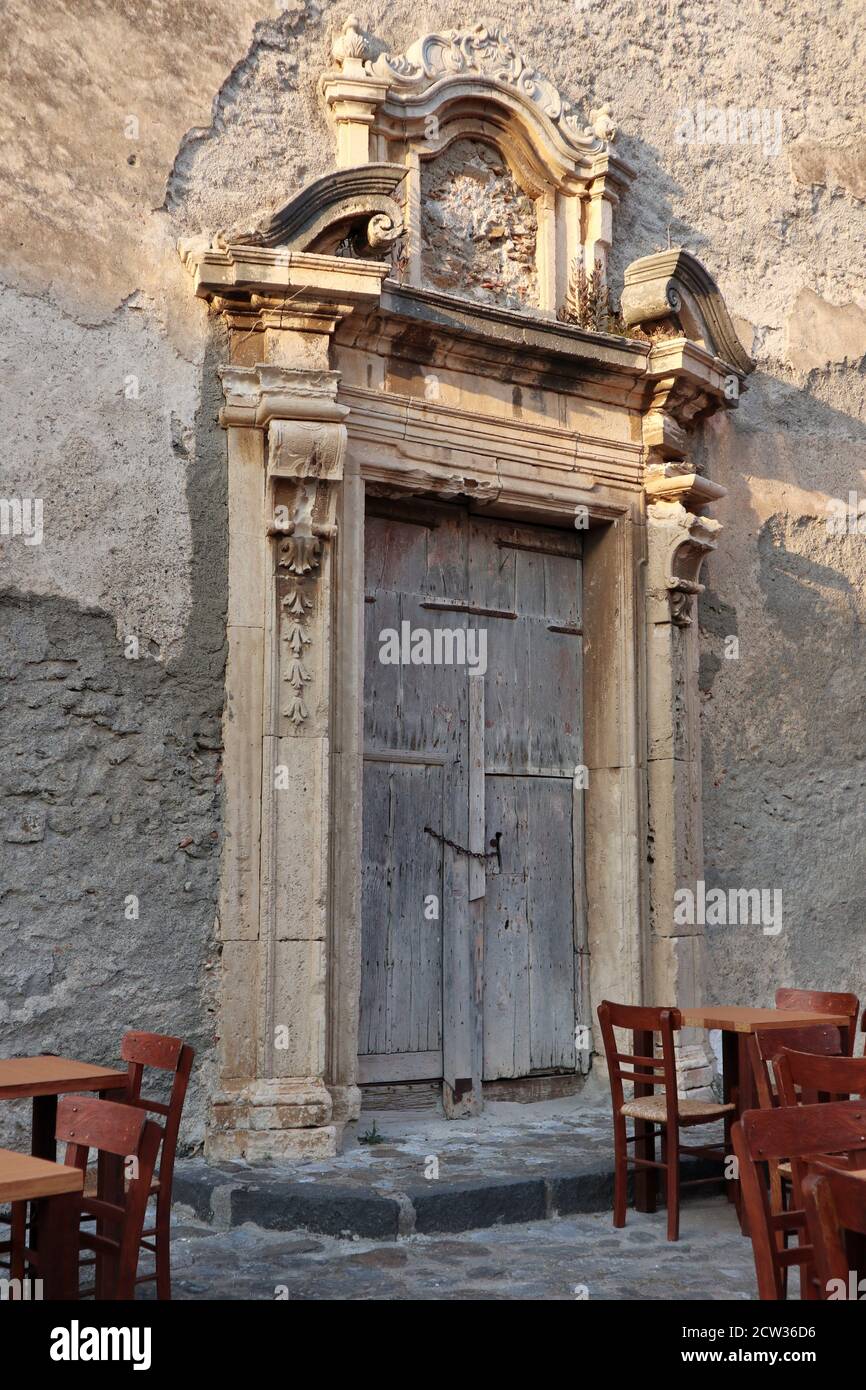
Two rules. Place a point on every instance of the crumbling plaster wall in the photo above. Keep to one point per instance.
(110, 413)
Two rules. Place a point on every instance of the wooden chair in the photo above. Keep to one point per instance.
(806, 1079)
(794, 1132)
(124, 1135)
(665, 1111)
(765, 1043)
(835, 1206)
(163, 1053)
(823, 1002)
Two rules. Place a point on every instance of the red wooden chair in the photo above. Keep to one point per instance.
(823, 1002)
(764, 1044)
(142, 1050)
(118, 1132)
(835, 1206)
(806, 1079)
(665, 1111)
(794, 1132)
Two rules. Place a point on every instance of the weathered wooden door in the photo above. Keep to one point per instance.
(469, 963)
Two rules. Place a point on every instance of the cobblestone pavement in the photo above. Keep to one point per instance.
(575, 1257)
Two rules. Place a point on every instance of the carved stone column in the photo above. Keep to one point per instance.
(678, 542)
(274, 1099)
(679, 538)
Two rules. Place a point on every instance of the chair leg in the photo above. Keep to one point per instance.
(163, 1250)
(19, 1238)
(671, 1157)
(620, 1171)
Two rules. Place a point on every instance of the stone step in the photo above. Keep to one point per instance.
(225, 1197)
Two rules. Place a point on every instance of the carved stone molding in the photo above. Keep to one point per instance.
(356, 200)
(487, 53)
(277, 288)
(294, 396)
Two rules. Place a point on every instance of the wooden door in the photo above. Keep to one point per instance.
(460, 958)
(415, 748)
(532, 752)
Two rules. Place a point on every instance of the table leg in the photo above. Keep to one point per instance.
(645, 1179)
(744, 1098)
(58, 1236)
(730, 1094)
(43, 1126)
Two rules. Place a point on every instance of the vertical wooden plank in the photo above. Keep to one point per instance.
(506, 936)
(418, 973)
(477, 875)
(550, 916)
(401, 978)
(533, 738)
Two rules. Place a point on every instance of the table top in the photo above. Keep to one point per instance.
(738, 1018)
(23, 1178)
(54, 1076)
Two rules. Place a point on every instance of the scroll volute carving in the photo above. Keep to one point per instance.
(680, 541)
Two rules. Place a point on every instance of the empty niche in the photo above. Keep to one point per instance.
(478, 227)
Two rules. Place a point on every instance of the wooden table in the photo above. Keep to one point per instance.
(736, 1022)
(43, 1079)
(57, 1191)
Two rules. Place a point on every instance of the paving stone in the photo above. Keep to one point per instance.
(547, 1260)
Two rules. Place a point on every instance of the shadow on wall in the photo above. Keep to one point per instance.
(110, 804)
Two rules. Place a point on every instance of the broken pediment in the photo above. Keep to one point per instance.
(674, 287)
(454, 105)
(358, 208)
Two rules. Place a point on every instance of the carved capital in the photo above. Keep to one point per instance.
(679, 541)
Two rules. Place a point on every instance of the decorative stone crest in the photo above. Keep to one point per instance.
(491, 54)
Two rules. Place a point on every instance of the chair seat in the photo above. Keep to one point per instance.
(691, 1112)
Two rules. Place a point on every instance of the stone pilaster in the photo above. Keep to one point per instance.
(286, 427)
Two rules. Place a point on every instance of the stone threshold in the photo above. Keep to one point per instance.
(498, 1171)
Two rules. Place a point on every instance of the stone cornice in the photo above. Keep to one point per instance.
(258, 278)
(425, 430)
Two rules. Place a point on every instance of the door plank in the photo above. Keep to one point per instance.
(529, 961)
(401, 977)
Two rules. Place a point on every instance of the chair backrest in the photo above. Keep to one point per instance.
(835, 1203)
(164, 1053)
(644, 1069)
(822, 1001)
(794, 1132)
(84, 1123)
(805, 1079)
(765, 1043)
